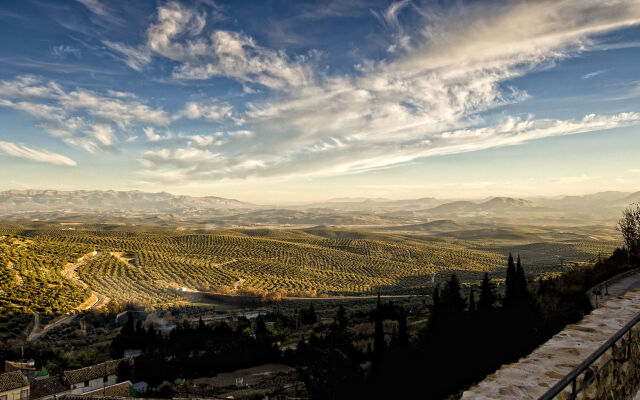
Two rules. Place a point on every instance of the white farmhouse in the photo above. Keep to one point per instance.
(92, 378)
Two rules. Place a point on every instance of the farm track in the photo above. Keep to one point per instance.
(95, 301)
(317, 265)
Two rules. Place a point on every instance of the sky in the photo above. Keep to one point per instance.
(301, 101)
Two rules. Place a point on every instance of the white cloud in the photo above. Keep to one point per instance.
(210, 110)
(205, 140)
(135, 57)
(81, 117)
(104, 134)
(389, 19)
(178, 34)
(237, 56)
(101, 10)
(593, 74)
(62, 51)
(121, 112)
(151, 135)
(28, 153)
(426, 101)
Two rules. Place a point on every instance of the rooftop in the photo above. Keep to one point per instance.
(93, 372)
(12, 380)
(48, 386)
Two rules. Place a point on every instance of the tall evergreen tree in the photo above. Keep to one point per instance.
(521, 282)
(452, 303)
(128, 328)
(487, 295)
(378, 335)
(510, 295)
(403, 331)
(472, 303)
(341, 317)
(435, 308)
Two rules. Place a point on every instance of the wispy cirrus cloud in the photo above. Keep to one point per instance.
(135, 57)
(101, 9)
(80, 117)
(426, 100)
(428, 94)
(593, 74)
(178, 34)
(62, 51)
(44, 156)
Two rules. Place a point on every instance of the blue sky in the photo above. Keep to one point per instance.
(280, 101)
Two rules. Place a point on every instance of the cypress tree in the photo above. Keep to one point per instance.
(510, 294)
(472, 303)
(452, 302)
(378, 335)
(521, 282)
(403, 331)
(435, 309)
(341, 316)
(487, 295)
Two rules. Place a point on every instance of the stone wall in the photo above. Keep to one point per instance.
(533, 375)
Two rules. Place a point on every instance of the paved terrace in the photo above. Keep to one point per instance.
(533, 375)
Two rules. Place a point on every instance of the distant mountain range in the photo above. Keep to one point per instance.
(110, 201)
(168, 209)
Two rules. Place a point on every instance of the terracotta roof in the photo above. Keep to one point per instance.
(92, 397)
(48, 386)
(118, 390)
(93, 372)
(12, 380)
(99, 397)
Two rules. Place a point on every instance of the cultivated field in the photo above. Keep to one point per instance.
(171, 265)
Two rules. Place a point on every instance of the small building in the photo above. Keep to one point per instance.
(14, 386)
(50, 387)
(28, 368)
(92, 378)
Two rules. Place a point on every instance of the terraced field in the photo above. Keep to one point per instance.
(30, 276)
(293, 262)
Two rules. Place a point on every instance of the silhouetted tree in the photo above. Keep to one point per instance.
(510, 292)
(403, 331)
(487, 295)
(308, 315)
(378, 335)
(472, 303)
(452, 303)
(520, 283)
(629, 225)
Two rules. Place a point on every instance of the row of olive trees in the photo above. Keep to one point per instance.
(629, 225)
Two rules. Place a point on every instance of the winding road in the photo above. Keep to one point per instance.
(95, 300)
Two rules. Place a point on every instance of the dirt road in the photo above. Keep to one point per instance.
(96, 300)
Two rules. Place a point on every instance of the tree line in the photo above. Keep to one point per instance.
(465, 339)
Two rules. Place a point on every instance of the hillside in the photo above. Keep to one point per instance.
(297, 262)
(99, 201)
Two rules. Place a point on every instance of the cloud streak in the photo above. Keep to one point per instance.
(28, 153)
(433, 91)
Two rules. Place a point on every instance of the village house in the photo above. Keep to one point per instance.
(92, 378)
(14, 386)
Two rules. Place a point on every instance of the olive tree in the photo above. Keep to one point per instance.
(629, 225)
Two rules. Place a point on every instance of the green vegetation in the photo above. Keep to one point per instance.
(30, 276)
(159, 268)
